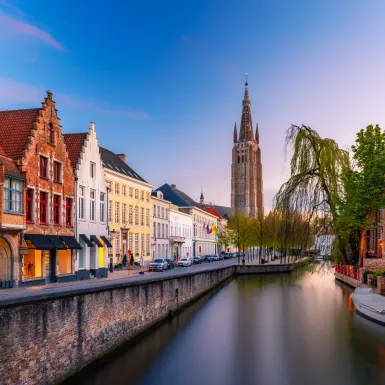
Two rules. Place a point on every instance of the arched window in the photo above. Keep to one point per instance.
(51, 134)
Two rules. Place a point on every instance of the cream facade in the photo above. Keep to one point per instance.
(181, 230)
(129, 209)
(160, 243)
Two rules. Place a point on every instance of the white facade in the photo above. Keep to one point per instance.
(160, 226)
(91, 208)
(181, 232)
(203, 242)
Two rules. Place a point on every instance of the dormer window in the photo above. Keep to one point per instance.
(51, 134)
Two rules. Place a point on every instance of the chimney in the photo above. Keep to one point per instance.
(92, 126)
(173, 185)
(122, 157)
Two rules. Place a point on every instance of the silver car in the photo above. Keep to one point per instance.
(158, 265)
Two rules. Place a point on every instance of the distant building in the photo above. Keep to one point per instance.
(181, 233)
(204, 238)
(246, 168)
(160, 242)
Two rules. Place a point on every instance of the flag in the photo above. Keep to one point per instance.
(207, 229)
(204, 226)
(211, 230)
(215, 229)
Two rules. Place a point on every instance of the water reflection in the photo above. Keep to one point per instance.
(280, 330)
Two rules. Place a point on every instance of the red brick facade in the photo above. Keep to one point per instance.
(39, 145)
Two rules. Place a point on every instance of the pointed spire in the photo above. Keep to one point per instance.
(246, 129)
(235, 132)
(202, 198)
(257, 134)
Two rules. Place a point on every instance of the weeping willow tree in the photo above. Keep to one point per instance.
(315, 184)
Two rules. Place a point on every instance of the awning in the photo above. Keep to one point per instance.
(86, 240)
(106, 241)
(40, 241)
(57, 242)
(71, 242)
(95, 239)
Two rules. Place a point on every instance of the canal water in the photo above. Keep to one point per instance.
(296, 329)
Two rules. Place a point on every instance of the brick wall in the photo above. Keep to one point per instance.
(29, 164)
(373, 264)
(46, 340)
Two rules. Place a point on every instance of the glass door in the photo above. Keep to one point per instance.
(47, 266)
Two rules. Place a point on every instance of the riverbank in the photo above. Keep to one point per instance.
(48, 336)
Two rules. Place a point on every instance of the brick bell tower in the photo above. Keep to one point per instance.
(246, 167)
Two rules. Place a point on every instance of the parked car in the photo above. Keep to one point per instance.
(207, 258)
(216, 257)
(158, 265)
(170, 263)
(197, 261)
(184, 262)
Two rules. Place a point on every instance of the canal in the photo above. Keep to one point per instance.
(280, 330)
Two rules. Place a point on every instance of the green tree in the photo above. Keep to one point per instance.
(239, 226)
(225, 239)
(364, 189)
(315, 184)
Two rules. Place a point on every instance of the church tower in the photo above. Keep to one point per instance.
(246, 168)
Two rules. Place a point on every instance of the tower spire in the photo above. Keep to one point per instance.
(257, 134)
(235, 132)
(246, 129)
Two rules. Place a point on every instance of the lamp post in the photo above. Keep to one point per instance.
(154, 245)
(112, 238)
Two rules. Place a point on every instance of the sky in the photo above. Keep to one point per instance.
(164, 81)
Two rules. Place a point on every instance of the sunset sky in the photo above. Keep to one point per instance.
(164, 80)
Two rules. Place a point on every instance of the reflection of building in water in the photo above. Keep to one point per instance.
(323, 244)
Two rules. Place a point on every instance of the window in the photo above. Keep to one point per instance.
(51, 134)
(43, 207)
(109, 211)
(92, 205)
(29, 205)
(142, 244)
(81, 202)
(147, 197)
(166, 231)
(158, 211)
(109, 186)
(124, 213)
(154, 211)
(81, 253)
(102, 197)
(166, 214)
(162, 230)
(147, 217)
(130, 245)
(117, 243)
(154, 230)
(43, 167)
(136, 194)
(56, 209)
(13, 195)
(117, 212)
(136, 216)
(117, 188)
(158, 230)
(147, 244)
(57, 172)
(142, 216)
(142, 196)
(92, 169)
(162, 212)
(68, 211)
(130, 192)
(137, 244)
(130, 220)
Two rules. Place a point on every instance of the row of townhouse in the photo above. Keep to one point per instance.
(71, 209)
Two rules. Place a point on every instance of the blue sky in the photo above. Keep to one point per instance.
(163, 81)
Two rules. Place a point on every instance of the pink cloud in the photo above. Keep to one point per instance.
(22, 28)
(11, 90)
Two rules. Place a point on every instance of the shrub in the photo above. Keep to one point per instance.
(365, 275)
(118, 266)
(124, 258)
(379, 273)
(374, 281)
(132, 260)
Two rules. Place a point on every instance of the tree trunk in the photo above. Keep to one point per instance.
(362, 248)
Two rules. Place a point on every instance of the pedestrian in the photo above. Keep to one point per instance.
(141, 263)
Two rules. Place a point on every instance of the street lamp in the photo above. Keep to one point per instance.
(113, 233)
(154, 244)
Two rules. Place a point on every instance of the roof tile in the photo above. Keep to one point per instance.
(74, 144)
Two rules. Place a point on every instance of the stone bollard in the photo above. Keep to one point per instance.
(361, 271)
(381, 285)
(370, 277)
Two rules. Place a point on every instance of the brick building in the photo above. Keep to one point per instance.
(33, 139)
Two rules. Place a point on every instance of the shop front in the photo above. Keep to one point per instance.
(176, 244)
(50, 258)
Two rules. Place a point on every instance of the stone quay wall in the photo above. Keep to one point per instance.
(46, 337)
(45, 341)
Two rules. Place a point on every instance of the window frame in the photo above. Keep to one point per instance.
(57, 172)
(56, 209)
(69, 207)
(43, 166)
(29, 205)
(43, 206)
(13, 196)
